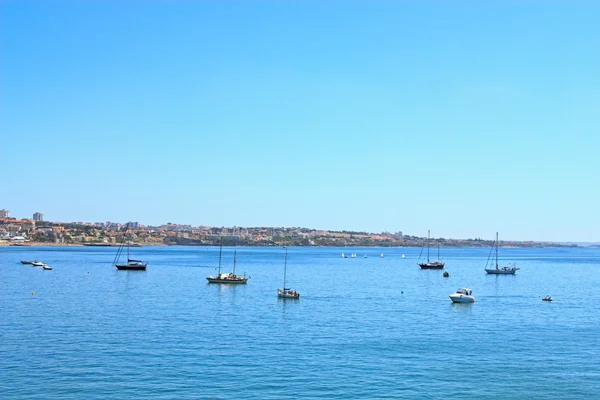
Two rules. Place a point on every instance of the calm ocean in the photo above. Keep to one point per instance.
(364, 328)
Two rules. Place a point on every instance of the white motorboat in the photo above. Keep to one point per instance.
(47, 267)
(37, 264)
(462, 295)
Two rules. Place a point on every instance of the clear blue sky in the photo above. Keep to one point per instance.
(463, 117)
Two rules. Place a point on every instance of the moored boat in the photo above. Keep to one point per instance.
(498, 270)
(286, 293)
(227, 278)
(27, 262)
(37, 263)
(230, 278)
(462, 295)
(131, 265)
(47, 267)
(547, 298)
(437, 264)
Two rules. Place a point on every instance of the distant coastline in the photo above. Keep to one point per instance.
(155, 244)
(27, 232)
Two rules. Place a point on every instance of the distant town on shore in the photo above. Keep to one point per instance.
(38, 232)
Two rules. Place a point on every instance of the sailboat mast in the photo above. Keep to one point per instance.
(220, 254)
(496, 250)
(285, 268)
(428, 246)
(234, 254)
(120, 249)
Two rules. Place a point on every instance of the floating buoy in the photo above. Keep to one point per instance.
(32, 293)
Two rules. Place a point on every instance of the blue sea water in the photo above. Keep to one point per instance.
(364, 328)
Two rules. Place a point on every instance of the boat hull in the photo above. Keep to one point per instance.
(461, 298)
(237, 281)
(432, 266)
(37, 264)
(288, 294)
(127, 267)
(27, 262)
(500, 271)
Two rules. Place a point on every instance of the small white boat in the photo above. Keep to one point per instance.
(47, 267)
(381, 255)
(462, 295)
(344, 256)
(37, 264)
(403, 256)
(353, 255)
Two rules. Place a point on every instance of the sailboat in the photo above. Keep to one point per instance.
(286, 293)
(499, 270)
(132, 265)
(437, 264)
(230, 278)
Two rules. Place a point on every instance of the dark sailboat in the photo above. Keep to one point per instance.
(437, 264)
(131, 265)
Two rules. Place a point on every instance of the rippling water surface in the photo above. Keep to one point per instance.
(363, 328)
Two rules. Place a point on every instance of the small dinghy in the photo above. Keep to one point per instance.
(446, 274)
